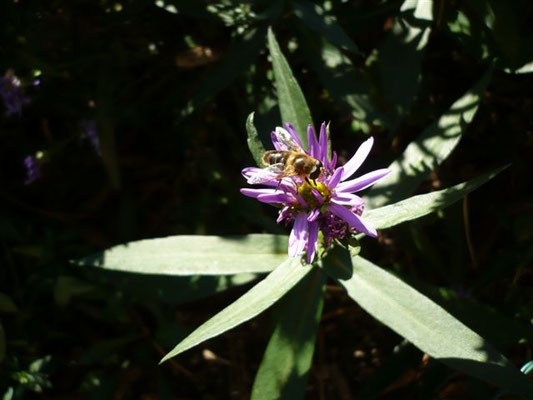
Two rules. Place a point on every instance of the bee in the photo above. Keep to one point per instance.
(291, 160)
(292, 163)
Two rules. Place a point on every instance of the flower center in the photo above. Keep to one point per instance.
(313, 192)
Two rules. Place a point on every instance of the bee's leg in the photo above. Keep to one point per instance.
(307, 180)
(279, 184)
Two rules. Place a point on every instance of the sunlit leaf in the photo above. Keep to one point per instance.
(418, 206)
(252, 303)
(287, 360)
(254, 143)
(194, 255)
(430, 149)
(314, 16)
(292, 103)
(427, 325)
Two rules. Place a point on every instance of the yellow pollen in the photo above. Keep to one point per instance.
(306, 191)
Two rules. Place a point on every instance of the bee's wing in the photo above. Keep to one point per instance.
(285, 140)
(263, 175)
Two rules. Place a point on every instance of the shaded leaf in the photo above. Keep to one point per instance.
(400, 59)
(418, 206)
(2, 343)
(429, 327)
(194, 255)
(430, 149)
(238, 59)
(254, 143)
(292, 104)
(314, 16)
(285, 366)
(252, 303)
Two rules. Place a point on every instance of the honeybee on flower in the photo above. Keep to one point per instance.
(312, 191)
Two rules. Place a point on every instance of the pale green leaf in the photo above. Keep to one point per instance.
(254, 143)
(194, 255)
(429, 150)
(287, 360)
(292, 104)
(418, 206)
(252, 303)
(427, 325)
(314, 16)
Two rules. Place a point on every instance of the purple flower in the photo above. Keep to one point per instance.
(90, 132)
(327, 204)
(12, 94)
(33, 169)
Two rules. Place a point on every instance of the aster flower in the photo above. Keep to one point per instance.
(12, 94)
(33, 169)
(326, 204)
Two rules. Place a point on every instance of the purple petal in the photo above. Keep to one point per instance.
(335, 178)
(279, 197)
(256, 192)
(359, 157)
(333, 162)
(256, 175)
(301, 200)
(347, 199)
(318, 196)
(313, 215)
(284, 213)
(277, 144)
(293, 133)
(323, 143)
(298, 236)
(352, 219)
(363, 181)
(311, 241)
(313, 143)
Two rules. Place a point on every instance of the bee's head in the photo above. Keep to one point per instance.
(317, 170)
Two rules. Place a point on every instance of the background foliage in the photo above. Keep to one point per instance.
(169, 86)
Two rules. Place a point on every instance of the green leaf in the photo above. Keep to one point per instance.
(292, 104)
(285, 367)
(240, 56)
(194, 255)
(314, 17)
(400, 59)
(428, 326)
(7, 305)
(418, 206)
(344, 82)
(252, 303)
(430, 149)
(254, 143)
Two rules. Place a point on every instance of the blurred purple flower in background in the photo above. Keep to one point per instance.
(326, 204)
(12, 94)
(90, 132)
(33, 169)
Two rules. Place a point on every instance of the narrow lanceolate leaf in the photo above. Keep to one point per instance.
(314, 16)
(194, 255)
(428, 326)
(418, 206)
(430, 149)
(292, 104)
(287, 360)
(254, 143)
(252, 303)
